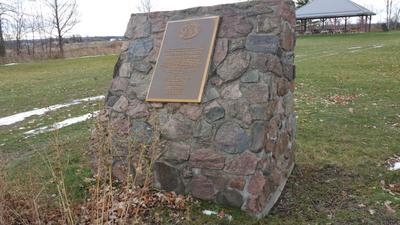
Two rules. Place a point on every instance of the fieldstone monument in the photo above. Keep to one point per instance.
(226, 135)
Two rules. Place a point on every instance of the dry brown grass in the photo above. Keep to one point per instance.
(71, 51)
(131, 201)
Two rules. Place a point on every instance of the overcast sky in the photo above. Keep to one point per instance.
(110, 17)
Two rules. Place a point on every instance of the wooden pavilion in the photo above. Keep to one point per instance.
(322, 11)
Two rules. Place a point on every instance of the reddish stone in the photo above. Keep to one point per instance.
(292, 86)
(216, 81)
(276, 177)
(207, 159)
(191, 111)
(202, 188)
(176, 153)
(137, 109)
(177, 129)
(121, 105)
(283, 87)
(218, 177)
(220, 52)
(274, 65)
(257, 93)
(234, 27)
(119, 84)
(243, 165)
(256, 183)
(287, 37)
(282, 145)
(238, 183)
(256, 204)
(232, 91)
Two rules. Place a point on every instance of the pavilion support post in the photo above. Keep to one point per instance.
(361, 23)
(370, 23)
(305, 25)
(345, 24)
(334, 25)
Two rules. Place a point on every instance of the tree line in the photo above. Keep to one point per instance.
(45, 22)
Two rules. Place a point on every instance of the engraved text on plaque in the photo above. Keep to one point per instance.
(183, 62)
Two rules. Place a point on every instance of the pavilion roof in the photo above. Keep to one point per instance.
(331, 8)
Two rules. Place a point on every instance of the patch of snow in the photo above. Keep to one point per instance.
(395, 166)
(213, 213)
(10, 64)
(209, 212)
(89, 56)
(65, 123)
(355, 47)
(5, 121)
(377, 46)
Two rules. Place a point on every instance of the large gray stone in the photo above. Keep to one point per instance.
(202, 129)
(142, 66)
(121, 105)
(214, 112)
(265, 43)
(234, 26)
(177, 129)
(232, 91)
(210, 94)
(139, 49)
(141, 132)
(234, 66)
(230, 198)
(139, 26)
(168, 178)
(257, 93)
(176, 153)
(257, 136)
(231, 138)
(252, 76)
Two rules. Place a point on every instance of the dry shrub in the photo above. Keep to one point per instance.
(111, 201)
(133, 201)
(19, 198)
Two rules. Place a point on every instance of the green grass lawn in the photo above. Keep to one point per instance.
(348, 106)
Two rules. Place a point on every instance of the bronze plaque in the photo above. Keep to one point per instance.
(182, 66)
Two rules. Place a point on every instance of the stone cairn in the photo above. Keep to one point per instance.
(236, 147)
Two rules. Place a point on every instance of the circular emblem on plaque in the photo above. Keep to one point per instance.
(189, 30)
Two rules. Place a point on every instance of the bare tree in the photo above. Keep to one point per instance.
(145, 6)
(64, 18)
(389, 9)
(5, 13)
(18, 24)
(396, 17)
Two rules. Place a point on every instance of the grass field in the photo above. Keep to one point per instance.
(348, 106)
